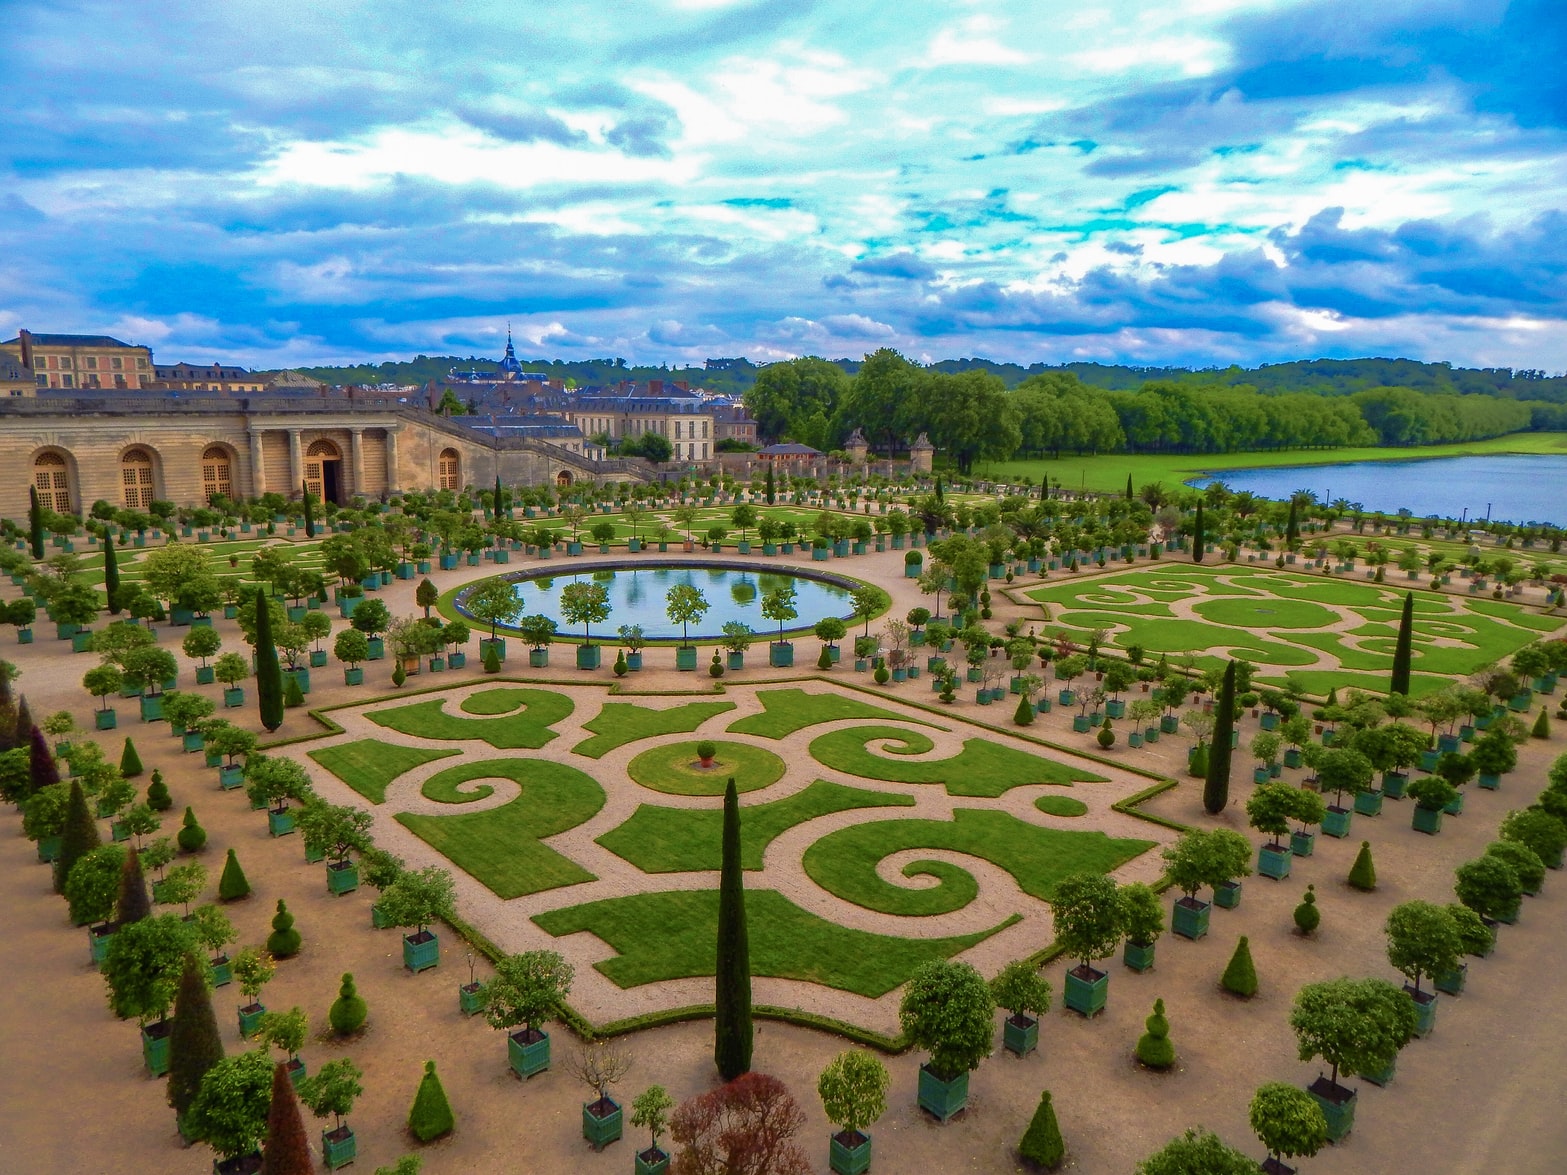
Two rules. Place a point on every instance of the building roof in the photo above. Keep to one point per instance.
(12, 371)
(532, 426)
(790, 449)
(72, 341)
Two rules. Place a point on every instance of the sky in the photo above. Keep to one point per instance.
(1196, 182)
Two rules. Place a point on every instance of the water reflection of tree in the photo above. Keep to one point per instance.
(743, 591)
(634, 588)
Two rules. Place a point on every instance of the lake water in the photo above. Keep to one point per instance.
(1513, 487)
(638, 597)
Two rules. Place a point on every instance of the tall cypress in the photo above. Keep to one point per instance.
(269, 675)
(133, 904)
(310, 518)
(1198, 541)
(768, 485)
(1292, 526)
(42, 770)
(497, 495)
(78, 838)
(1403, 651)
(194, 1043)
(35, 521)
(732, 996)
(111, 572)
(287, 1147)
(1128, 487)
(1216, 788)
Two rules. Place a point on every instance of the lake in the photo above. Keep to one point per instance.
(1515, 487)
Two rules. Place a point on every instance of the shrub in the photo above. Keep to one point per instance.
(1538, 829)
(882, 675)
(1542, 726)
(130, 761)
(1240, 977)
(947, 1009)
(1198, 768)
(1489, 886)
(1474, 936)
(492, 660)
(1140, 913)
(1020, 989)
(158, 798)
(293, 696)
(284, 941)
(399, 675)
(1042, 1143)
(706, 749)
(1023, 716)
(824, 659)
(233, 885)
(431, 1114)
(1153, 1047)
(1363, 874)
(1307, 916)
(1106, 735)
(1524, 860)
(348, 1011)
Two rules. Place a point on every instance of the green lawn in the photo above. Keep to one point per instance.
(844, 862)
(785, 711)
(619, 723)
(540, 710)
(673, 935)
(681, 840)
(982, 768)
(500, 847)
(674, 769)
(1061, 806)
(369, 764)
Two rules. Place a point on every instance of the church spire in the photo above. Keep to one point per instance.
(510, 368)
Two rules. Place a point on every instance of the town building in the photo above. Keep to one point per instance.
(215, 377)
(15, 379)
(81, 361)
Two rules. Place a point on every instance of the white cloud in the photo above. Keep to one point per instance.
(975, 41)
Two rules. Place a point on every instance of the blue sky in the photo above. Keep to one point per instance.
(1188, 181)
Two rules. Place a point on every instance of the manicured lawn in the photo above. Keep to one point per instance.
(369, 764)
(1266, 613)
(530, 729)
(619, 723)
(673, 935)
(844, 862)
(1061, 806)
(788, 710)
(675, 770)
(681, 840)
(500, 847)
(982, 768)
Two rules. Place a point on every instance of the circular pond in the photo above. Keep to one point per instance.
(639, 595)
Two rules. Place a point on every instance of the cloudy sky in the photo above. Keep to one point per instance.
(1145, 181)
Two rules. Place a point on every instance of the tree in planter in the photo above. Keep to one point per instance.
(426, 595)
(213, 931)
(1537, 829)
(853, 1089)
(1288, 1122)
(527, 989)
(335, 830)
(1422, 941)
(947, 1010)
(195, 1045)
(1342, 769)
(779, 605)
(332, 1091)
(373, 617)
(585, 604)
(1270, 809)
(600, 1065)
(1154, 1048)
(1524, 860)
(1207, 857)
(1140, 917)
(650, 1112)
(418, 898)
(737, 637)
(183, 885)
(1490, 887)
(230, 669)
(746, 1125)
(101, 682)
(685, 604)
(1357, 1026)
(1019, 988)
(286, 1032)
(538, 631)
(253, 970)
(201, 643)
(93, 885)
(142, 966)
(1474, 936)
(274, 781)
(1198, 1151)
(229, 1112)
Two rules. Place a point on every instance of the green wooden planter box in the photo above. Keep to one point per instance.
(231, 777)
(421, 951)
(1368, 803)
(1021, 1039)
(589, 656)
(192, 741)
(845, 1156)
(155, 1046)
(250, 1019)
(222, 971)
(1426, 820)
(1337, 821)
(528, 1057)
(98, 940)
(600, 1131)
(1425, 1010)
(1274, 861)
(152, 708)
(1170, 724)
(314, 856)
(1292, 758)
(280, 823)
(942, 1099)
(342, 877)
(1383, 1077)
(1189, 917)
(338, 1148)
(233, 698)
(1394, 784)
(1087, 995)
(1138, 956)
(651, 1162)
(1489, 782)
(1080, 723)
(470, 999)
(48, 848)
(780, 654)
(1452, 982)
(1456, 808)
(1338, 1106)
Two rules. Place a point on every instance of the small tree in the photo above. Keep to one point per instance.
(526, 990)
(1490, 887)
(947, 1010)
(418, 898)
(1340, 770)
(426, 595)
(746, 1125)
(1357, 1026)
(431, 1114)
(284, 941)
(1153, 1047)
(1207, 857)
(1022, 991)
(285, 1031)
(1288, 1121)
(94, 883)
(1422, 941)
(600, 1065)
(1537, 829)
(1270, 809)
(585, 604)
(333, 1090)
(779, 605)
(1042, 1145)
(351, 647)
(1198, 1151)
(1139, 913)
(229, 1112)
(853, 1089)
(1240, 976)
(650, 1112)
(143, 964)
(685, 604)
(1087, 918)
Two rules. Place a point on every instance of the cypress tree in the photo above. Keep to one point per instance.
(194, 1043)
(1197, 536)
(1240, 977)
(940, 494)
(233, 885)
(498, 495)
(1153, 1047)
(79, 836)
(1403, 650)
(732, 996)
(158, 798)
(1128, 487)
(111, 572)
(133, 904)
(269, 675)
(287, 1149)
(284, 941)
(1216, 787)
(1292, 525)
(21, 729)
(42, 770)
(1363, 874)
(431, 1114)
(310, 518)
(35, 522)
(1042, 1143)
(130, 761)
(768, 485)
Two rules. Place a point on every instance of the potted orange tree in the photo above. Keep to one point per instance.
(947, 1009)
(1088, 927)
(853, 1089)
(526, 989)
(417, 899)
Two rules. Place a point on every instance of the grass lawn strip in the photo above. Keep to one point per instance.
(844, 862)
(981, 769)
(788, 710)
(673, 935)
(619, 723)
(674, 769)
(681, 840)
(1061, 806)
(530, 729)
(500, 847)
(368, 765)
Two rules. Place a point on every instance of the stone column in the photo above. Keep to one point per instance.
(392, 482)
(258, 474)
(296, 462)
(356, 479)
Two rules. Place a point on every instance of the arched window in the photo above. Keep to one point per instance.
(52, 477)
(217, 473)
(136, 478)
(563, 478)
(449, 470)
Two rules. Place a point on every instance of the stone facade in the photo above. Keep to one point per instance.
(82, 361)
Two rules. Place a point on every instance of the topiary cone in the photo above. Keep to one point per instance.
(824, 659)
(1042, 1143)
(194, 1043)
(233, 885)
(133, 904)
(1240, 977)
(1307, 916)
(492, 660)
(293, 696)
(284, 941)
(130, 761)
(1023, 716)
(431, 1114)
(1153, 1047)
(1363, 874)
(78, 838)
(348, 1011)
(1541, 727)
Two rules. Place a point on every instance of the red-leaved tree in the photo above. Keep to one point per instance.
(743, 1128)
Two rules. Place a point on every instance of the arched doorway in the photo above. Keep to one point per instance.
(323, 471)
(563, 479)
(136, 478)
(217, 473)
(52, 479)
(449, 470)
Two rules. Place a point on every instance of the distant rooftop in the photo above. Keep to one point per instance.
(70, 341)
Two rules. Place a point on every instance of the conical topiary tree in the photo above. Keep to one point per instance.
(233, 885)
(1403, 648)
(194, 1043)
(492, 659)
(1024, 716)
(431, 1114)
(1541, 727)
(134, 903)
(286, 1150)
(293, 696)
(78, 837)
(1153, 1047)
(1307, 916)
(1240, 977)
(1363, 874)
(284, 941)
(1042, 1143)
(192, 837)
(824, 659)
(1216, 784)
(42, 770)
(158, 798)
(732, 993)
(269, 674)
(348, 1011)
(130, 761)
